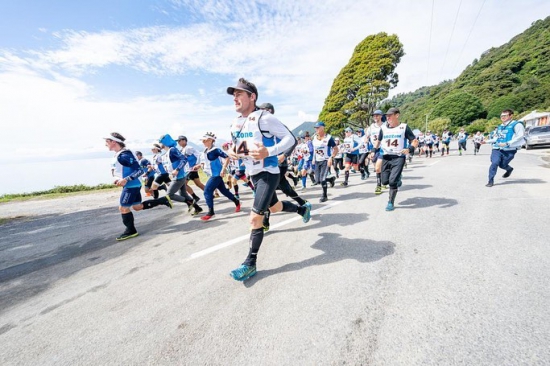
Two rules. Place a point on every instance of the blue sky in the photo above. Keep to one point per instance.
(73, 71)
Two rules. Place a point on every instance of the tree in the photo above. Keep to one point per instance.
(510, 101)
(460, 107)
(477, 125)
(438, 125)
(363, 83)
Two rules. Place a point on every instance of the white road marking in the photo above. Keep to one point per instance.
(220, 246)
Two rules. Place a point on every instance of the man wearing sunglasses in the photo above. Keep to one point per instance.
(506, 142)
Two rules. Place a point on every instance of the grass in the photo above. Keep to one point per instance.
(60, 191)
(55, 192)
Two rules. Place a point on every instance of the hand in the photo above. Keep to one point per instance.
(121, 182)
(175, 173)
(281, 158)
(502, 144)
(259, 152)
(405, 151)
(196, 167)
(232, 153)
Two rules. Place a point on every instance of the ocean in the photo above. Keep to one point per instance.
(29, 177)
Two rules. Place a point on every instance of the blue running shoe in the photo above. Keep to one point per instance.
(390, 207)
(242, 273)
(307, 215)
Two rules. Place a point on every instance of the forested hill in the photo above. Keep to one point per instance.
(515, 75)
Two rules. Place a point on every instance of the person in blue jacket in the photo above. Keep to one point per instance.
(215, 162)
(127, 172)
(174, 162)
(506, 142)
(148, 172)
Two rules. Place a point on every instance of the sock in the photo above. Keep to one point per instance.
(128, 221)
(367, 170)
(256, 238)
(251, 185)
(150, 204)
(195, 197)
(393, 194)
(325, 190)
(312, 177)
(346, 176)
(266, 218)
(378, 180)
(304, 180)
(236, 189)
(156, 193)
(289, 207)
(299, 200)
(163, 187)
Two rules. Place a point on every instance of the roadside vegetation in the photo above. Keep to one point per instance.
(55, 192)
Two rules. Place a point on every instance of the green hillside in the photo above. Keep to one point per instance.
(515, 75)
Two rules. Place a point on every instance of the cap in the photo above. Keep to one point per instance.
(209, 135)
(156, 146)
(243, 85)
(337, 139)
(181, 137)
(377, 112)
(348, 129)
(112, 138)
(319, 124)
(392, 111)
(268, 106)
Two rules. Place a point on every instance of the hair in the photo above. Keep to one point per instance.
(509, 111)
(120, 137)
(157, 146)
(252, 86)
(139, 153)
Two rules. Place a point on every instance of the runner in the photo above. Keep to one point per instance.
(363, 152)
(392, 137)
(306, 163)
(462, 138)
(338, 158)
(429, 143)
(174, 163)
(162, 178)
(446, 141)
(506, 142)
(478, 140)
(324, 148)
(259, 138)
(192, 156)
(372, 134)
(351, 147)
(283, 185)
(148, 173)
(213, 167)
(127, 172)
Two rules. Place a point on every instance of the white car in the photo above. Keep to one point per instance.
(537, 136)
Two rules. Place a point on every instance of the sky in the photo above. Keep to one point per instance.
(71, 72)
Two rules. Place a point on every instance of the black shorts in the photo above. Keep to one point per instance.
(351, 159)
(162, 178)
(265, 184)
(193, 175)
(149, 181)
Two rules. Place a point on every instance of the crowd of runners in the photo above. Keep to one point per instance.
(264, 156)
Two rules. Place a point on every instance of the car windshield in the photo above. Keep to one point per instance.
(541, 129)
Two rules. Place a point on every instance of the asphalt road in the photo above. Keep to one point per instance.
(458, 274)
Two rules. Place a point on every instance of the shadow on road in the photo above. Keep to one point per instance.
(521, 181)
(422, 202)
(331, 219)
(408, 187)
(335, 248)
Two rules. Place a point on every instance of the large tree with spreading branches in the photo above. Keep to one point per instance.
(363, 83)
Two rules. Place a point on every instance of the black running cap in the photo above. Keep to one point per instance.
(247, 87)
